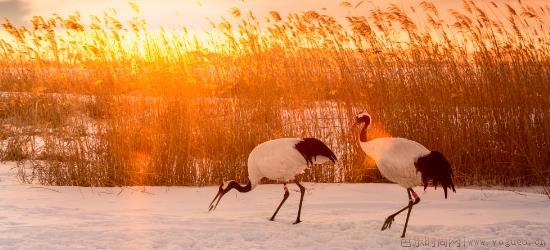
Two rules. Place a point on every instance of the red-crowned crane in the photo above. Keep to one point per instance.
(406, 163)
(281, 160)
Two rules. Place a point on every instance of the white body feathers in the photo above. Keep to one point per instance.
(279, 160)
(395, 159)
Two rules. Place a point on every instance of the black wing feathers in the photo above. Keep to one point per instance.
(310, 148)
(436, 168)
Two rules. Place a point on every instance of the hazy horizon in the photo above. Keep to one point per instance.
(194, 14)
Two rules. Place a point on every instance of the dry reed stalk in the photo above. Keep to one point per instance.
(118, 104)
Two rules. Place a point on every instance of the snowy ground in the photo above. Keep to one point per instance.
(335, 216)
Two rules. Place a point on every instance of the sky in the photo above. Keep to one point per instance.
(194, 13)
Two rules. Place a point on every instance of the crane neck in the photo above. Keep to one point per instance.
(235, 185)
(243, 189)
(363, 133)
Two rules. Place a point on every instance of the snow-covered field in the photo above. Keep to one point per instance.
(335, 216)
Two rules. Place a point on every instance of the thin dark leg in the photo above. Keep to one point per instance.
(411, 204)
(280, 205)
(389, 220)
(302, 192)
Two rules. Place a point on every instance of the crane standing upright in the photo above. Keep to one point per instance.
(407, 163)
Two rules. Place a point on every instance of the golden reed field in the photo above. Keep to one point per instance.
(111, 103)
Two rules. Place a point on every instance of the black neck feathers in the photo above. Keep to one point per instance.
(363, 134)
(434, 167)
(310, 148)
(365, 119)
(238, 187)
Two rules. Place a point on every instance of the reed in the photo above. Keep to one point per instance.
(114, 103)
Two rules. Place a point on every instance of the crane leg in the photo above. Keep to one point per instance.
(302, 192)
(416, 201)
(389, 220)
(280, 205)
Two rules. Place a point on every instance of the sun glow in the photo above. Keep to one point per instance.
(233, 79)
(108, 38)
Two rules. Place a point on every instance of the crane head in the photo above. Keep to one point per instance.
(226, 187)
(362, 117)
(221, 192)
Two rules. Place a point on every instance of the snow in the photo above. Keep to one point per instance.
(335, 216)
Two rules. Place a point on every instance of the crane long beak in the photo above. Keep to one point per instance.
(218, 196)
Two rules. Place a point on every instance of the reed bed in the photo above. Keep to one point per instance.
(112, 103)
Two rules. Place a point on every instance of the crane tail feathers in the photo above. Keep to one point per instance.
(310, 148)
(434, 167)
